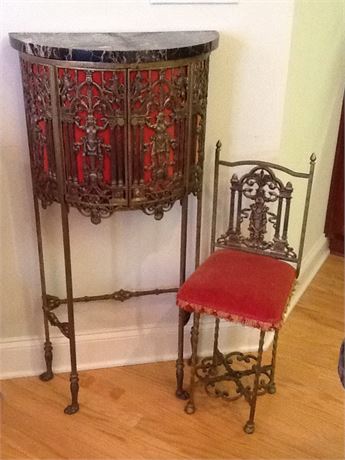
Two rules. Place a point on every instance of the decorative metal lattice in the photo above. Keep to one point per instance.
(129, 137)
(262, 189)
(92, 107)
(37, 100)
(230, 376)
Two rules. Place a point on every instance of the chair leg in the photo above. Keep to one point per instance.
(182, 321)
(272, 385)
(190, 406)
(249, 427)
(216, 352)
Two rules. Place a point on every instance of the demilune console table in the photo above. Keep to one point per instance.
(115, 121)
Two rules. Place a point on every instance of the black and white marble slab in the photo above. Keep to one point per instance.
(120, 48)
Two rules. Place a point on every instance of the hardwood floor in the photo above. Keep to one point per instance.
(131, 412)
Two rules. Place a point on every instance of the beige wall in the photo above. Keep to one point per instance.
(314, 94)
(247, 86)
(254, 86)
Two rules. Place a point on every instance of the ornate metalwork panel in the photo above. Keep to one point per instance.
(231, 375)
(199, 97)
(258, 200)
(158, 137)
(37, 100)
(93, 114)
(129, 136)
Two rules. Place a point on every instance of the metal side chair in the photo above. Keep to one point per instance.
(247, 279)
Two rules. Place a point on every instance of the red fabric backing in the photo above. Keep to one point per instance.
(158, 148)
(241, 287)
(140, 108)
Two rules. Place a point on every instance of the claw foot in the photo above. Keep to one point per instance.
(71, 409)
(46, 376)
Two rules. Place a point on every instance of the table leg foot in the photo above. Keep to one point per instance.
(71, 409)
(46, 376)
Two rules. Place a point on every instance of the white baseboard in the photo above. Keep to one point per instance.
(311, 264)
(25, 357)
(20, 357)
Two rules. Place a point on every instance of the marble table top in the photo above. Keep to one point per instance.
(122, 48)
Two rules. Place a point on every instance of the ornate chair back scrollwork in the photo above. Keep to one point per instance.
(248, 278)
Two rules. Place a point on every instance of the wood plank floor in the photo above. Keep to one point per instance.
(131, 413)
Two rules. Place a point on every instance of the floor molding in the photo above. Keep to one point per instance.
(311, 264)
(23, 356)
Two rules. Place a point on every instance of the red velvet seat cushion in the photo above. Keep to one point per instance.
(240, 286)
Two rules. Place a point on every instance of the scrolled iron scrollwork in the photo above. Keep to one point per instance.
(94, 201)
(158, 118)
(62, 326)
(231, 393)
(221, 378)
(200, 92)
(92, 115)
(261, 183)
(158, 209)
(128, 136)
(259, 190)
(37, 100)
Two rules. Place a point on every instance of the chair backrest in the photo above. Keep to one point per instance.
(259, 200)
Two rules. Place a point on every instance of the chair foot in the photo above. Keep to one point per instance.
(182, 394)
(46, 376)
(71, 409)
(189, 408)
(271, 389)
(249, 427)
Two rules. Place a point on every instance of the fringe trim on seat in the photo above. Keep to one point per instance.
(264, 326)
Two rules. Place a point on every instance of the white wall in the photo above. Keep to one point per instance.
(247, 91)
(314, 96)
